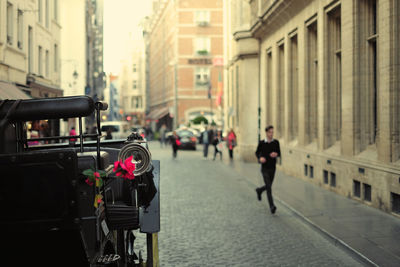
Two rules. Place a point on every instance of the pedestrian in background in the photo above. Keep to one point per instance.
(109, 134)
(231, 142)
(163, 130)
(72, 132)
(206, 137)
(175, 143)
(217, 145)
(267, 152)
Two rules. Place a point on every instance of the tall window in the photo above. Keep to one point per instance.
(134, 84)
(136, 102)
(20, 25)
(334, 93)
(280, 91)
(202, 45)
(47, 60)
(40, 59)
(202, 76)
(55, 58)
(30, 49)
(293, 89)
(367, 106)
(269, 101)
(10, 26)
(372, 94)
(312, 82)
(202, 17)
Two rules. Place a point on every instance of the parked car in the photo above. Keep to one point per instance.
(187, 138)
(119, 129)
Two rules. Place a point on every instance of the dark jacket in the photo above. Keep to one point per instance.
(210, 134)
(173, 139)
(264, 149)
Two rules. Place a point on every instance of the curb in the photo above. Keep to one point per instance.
(330, 237)
(337, 241)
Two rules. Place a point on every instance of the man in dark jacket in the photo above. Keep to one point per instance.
(206, 138)
(267, 152)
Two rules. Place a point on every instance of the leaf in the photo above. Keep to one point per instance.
(88, 172)
(102, 173)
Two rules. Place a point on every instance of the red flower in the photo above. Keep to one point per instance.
(125, 169)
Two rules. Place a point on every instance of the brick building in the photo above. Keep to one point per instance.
(326, 75)
(184, 42)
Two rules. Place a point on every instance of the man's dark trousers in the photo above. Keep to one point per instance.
(268, 175)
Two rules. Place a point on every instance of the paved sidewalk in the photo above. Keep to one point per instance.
(371, 235)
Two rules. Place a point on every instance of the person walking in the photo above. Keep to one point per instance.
(163, 130)
(175, 142)
(267, 152)
(231, 142)
(109, 134)
(206, 137)
(72, 132)
(217, 143)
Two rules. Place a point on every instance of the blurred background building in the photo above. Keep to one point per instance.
(133, 84)
(326, 75)
(30, 52)
(184, 41)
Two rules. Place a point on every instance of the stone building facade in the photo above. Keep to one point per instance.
(30, 46)
(184, 41)
(30, 42)
(326, 75)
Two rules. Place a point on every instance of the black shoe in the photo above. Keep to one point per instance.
(258, 194)
(273, 210)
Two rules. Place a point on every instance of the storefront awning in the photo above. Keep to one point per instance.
(11, 91)
(157, 113)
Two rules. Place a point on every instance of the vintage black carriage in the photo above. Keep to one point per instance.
(50, 215)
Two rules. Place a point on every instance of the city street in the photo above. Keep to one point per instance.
(210, 216)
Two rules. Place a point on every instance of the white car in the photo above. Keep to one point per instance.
(119, 129)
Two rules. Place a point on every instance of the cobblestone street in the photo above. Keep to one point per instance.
(210, 217)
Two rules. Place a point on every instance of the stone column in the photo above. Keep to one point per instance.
(248, 62)
(349, 77)
(302, 85)
(385, 76)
